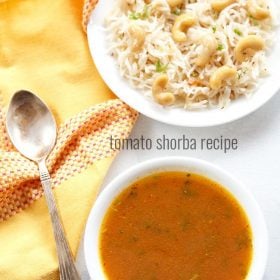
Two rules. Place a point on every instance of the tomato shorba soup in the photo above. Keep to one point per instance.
(175, 226)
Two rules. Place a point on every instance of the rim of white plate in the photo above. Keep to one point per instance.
(235, 187)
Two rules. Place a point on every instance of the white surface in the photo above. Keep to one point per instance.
(192, 165)
(256, 163)
(108, 69)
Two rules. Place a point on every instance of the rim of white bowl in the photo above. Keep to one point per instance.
(188, 164)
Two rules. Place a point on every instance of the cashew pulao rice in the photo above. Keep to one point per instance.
(191, 54)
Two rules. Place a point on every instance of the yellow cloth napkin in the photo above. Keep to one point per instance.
(43, 49)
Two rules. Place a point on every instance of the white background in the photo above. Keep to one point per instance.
(256, 163)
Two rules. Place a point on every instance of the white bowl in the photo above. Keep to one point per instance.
(110, 73)
(238, 190)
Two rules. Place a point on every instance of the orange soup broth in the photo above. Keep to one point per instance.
(175, 226)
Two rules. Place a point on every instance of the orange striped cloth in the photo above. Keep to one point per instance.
(88, 8)
(43, 48)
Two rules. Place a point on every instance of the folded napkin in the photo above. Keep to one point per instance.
(44, 49)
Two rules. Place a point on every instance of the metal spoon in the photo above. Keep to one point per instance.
(32, 130)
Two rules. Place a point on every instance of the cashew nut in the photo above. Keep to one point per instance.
(138, 35)
(182, 23)
(209, 47)
(248, 46)
(219, 5)
(130, 2)
(221, 75)
(160, 96)
(124, 5)
(159, 6)
(174, 3)
(258, 9)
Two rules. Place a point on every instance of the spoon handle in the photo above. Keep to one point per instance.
(67, 268)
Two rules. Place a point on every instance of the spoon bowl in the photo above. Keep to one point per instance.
(31, 125)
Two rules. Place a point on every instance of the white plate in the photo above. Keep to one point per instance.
(109, 71)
